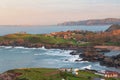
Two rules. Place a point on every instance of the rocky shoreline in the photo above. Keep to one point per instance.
(97, 55)
(88, 53)
(38, 45)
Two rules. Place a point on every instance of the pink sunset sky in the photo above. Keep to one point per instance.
(48, 12)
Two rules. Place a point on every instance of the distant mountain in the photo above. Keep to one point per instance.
(113, 27)
(107, 21)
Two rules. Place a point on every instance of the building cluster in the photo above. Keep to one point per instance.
(109, 74)
(106, 74)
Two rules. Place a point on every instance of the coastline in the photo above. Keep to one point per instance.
(78, 41)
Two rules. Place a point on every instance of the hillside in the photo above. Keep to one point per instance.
(107, 21)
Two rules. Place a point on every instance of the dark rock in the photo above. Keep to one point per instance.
(66, 59)
(78, 60)
(77, 52)
(91, 55)
(113, 61)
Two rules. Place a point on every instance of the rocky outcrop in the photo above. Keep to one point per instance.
(9, 76)
(90, 54)
(38, 45)
(113, 27)
(94, 55)
(113, 61)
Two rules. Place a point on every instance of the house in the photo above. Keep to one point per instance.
(109, 74)
(66, 69)
(75, 71)
(69, 70)
(62, 69)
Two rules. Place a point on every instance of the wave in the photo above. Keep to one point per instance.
(83, 61)
(54, 52)
(43, 47)
(71, 58)
(21, 47)
(87, 67)
(6, 47)
(37, 54)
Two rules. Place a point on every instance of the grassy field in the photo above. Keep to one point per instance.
(40, 38)
(50, 40)
(53, 74)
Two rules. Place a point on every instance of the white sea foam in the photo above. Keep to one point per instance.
(8, 47)
(73, 58)
(37, 54)
(83, 61)
(43, 47)
(2, 46)
(54, 52)
(87, 67)
(19, 47)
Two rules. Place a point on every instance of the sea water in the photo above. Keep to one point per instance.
(20, 57)
(48, 29)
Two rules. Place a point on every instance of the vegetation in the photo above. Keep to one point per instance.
(53, 74)
(68, 38)
(36, 38)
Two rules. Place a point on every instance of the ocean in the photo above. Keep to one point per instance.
(47, 29)
(21, 57)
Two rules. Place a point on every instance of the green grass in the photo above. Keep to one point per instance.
(44, 39)
(48, 40)
(88, 74)
(38, 38)
(53, 74)
(36, 74)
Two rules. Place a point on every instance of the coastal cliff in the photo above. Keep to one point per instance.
(107, 21)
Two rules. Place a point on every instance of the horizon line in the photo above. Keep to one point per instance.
(54, 24)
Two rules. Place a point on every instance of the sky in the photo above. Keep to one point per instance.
(49, 12)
